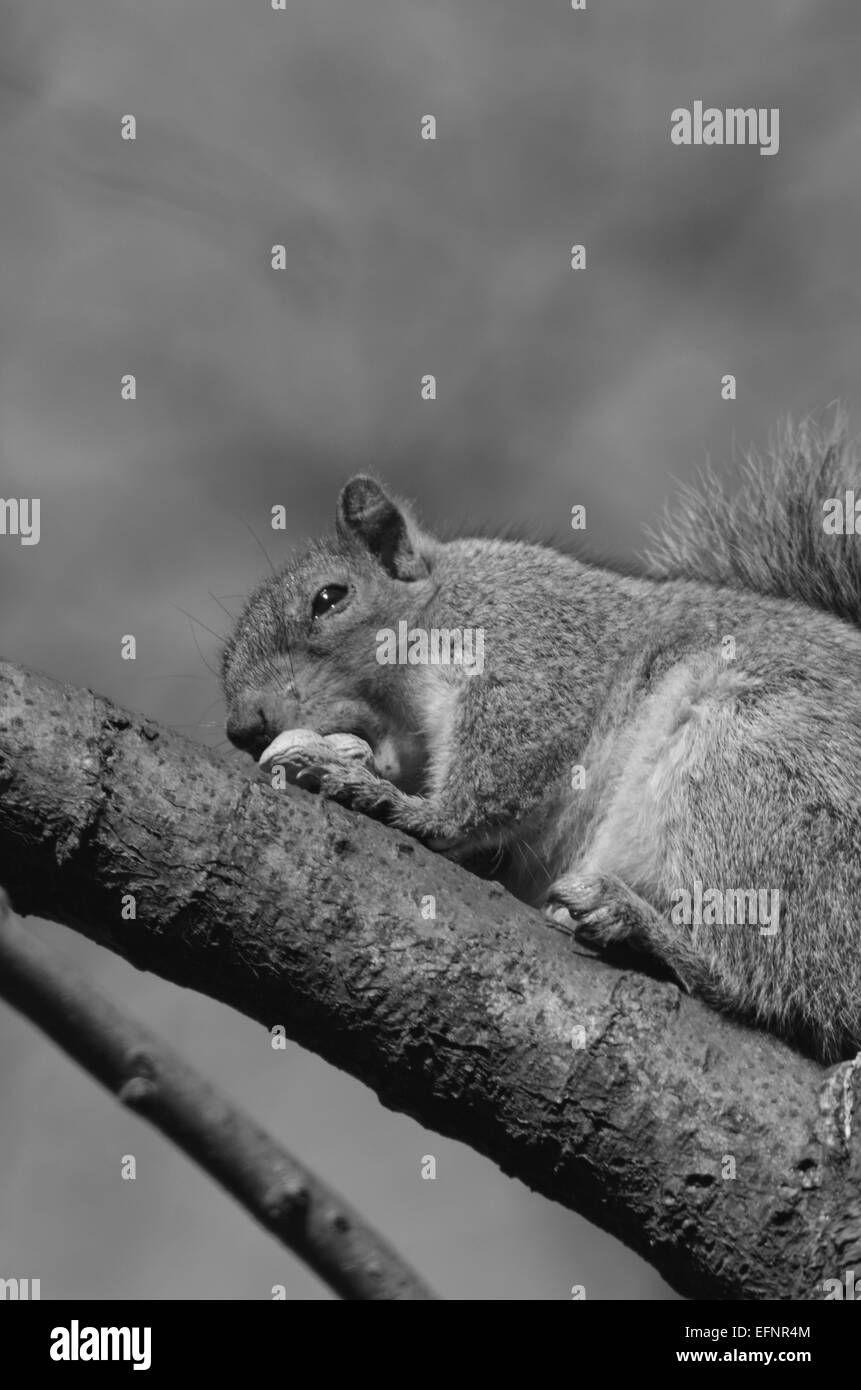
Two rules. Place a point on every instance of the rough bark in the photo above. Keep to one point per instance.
(605, 1089)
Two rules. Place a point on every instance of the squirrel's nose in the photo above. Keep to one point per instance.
(247, 729)
(254, 718)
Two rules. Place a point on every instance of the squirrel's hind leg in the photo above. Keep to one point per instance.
(602, 912)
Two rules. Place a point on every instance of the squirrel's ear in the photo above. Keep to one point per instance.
(367, 515)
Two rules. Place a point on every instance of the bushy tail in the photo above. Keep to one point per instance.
(768, 534)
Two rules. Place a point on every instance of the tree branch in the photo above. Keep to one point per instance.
(728, 1161)
(153, 1081)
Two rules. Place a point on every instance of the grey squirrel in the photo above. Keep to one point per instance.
(633, 748)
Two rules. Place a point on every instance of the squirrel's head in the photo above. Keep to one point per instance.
(304, 652)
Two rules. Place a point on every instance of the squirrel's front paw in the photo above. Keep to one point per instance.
(301, 748)
(338, 766)
(598, 910)
(333, 764)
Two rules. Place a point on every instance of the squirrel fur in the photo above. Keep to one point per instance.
(738, 773)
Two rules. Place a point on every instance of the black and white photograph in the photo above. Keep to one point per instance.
(430, 728)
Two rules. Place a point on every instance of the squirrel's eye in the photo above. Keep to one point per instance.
(327, 598)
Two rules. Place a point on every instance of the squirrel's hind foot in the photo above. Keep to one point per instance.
(599, 910)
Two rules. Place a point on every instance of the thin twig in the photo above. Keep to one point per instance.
(154, 1082)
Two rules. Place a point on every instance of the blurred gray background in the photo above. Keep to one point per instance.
(254, 388)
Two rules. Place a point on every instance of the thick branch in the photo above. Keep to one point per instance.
(153, 1081)
(604, 1089)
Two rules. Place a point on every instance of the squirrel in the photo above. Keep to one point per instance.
(632, 746)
